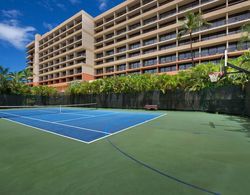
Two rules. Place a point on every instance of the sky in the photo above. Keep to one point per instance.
(20, 20)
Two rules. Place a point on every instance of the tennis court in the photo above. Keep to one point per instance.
(189, 153)
(83, 123)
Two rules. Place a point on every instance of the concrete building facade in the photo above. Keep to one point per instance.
(64, 54)
(136, 37)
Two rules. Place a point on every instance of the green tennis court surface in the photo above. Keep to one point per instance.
(206, 150)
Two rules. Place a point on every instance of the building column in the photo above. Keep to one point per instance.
(36, 61)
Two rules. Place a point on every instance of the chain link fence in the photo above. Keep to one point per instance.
(226, 99)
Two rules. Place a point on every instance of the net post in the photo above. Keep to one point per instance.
(60, 110)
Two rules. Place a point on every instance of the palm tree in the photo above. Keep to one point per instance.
(16, 81)
(191, 23)
(27, 74)
(4, 80)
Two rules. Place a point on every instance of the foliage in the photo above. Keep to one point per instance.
(4, 80)
(240, 78)
(16, 83)
(245, 32)
(43, 90)
(193, 79)
(191, 23)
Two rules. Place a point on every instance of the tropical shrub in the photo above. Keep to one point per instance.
(193, 79)
(43, 90)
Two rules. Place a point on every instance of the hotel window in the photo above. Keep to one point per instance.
(99, 71)
(168, 69)
(134, 54)
(235, 46)
(110, 52)
(166, 59)
(150, 62)
(215, 23)
(135, 45)
(168, 36)
(168, 13)
(110, 43)
(146, 1)
(150, 29)
(234, 30)
(213, 35)
(121, 31)
(187, 41)
(110, 69)
(150, 20)
(121, 67)
(151, 71)
(168, 23)
(188, 55)
(109, 60)
(233, 2)
(213, 50)
(99, 55)
(109, 36)
(121, 39)
(214, 8)
(185, 66)
(188, 6)
(134, 26)
(99, 62)
(133, 65)
(150, 41)
(134, 34)
(239, 17)
(79, 70)
(122, 57)
(149, 50)
(121, 49)
(167, 46)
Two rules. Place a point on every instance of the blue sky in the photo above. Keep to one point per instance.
(20, 20)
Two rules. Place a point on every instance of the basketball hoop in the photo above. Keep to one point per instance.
(214, 76)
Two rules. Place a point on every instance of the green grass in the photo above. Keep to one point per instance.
(208, 150)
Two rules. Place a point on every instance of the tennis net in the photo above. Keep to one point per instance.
(15, 111)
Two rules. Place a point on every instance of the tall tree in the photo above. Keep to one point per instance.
(16, 82)
(191, 23)
(26, 75)
(4, 80)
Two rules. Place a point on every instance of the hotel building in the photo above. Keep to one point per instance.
(136, 37)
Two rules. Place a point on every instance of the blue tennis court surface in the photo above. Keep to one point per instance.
(79, 124)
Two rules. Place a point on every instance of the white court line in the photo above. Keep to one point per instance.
(127, 128)
(76, 113)
(47, 131)
(86, 129)
(108, 134)
(86, 117)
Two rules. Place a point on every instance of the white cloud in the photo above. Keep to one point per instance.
(48, 26)
(11, 13)
(103, 4)
(61, 6)
(74, 2)
(46, 4)
(14, 34)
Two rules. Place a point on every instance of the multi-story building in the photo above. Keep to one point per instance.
(64, 54)
(139, 36)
